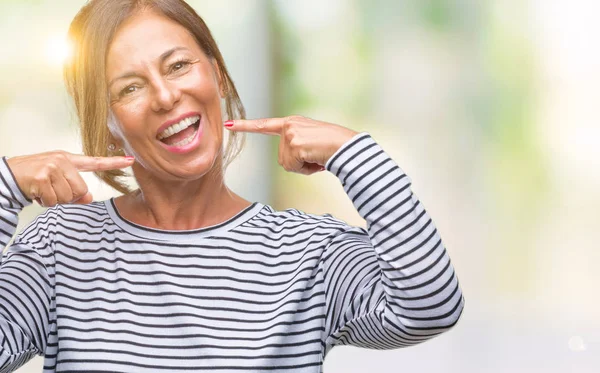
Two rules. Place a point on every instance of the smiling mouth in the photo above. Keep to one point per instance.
(182, 133)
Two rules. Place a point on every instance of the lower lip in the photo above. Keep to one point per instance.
(189, 147)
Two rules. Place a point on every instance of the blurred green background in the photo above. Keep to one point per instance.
(489, 106)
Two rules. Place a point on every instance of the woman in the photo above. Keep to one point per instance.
(182, 273)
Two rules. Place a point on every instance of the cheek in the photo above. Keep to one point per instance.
(124, 125)
(202, 85)
(128, 118)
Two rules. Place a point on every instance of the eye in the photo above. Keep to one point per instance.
(128, 90)
(179, 65)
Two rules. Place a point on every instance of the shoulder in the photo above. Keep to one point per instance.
(65, 220)
(298, 221)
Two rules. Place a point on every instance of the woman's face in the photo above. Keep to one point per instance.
(164, 98)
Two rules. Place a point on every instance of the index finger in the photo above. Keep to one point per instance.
(267, 126)
(87, 163)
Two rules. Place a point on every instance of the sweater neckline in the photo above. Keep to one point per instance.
(180, 235)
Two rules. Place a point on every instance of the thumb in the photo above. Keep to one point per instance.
(311, 168)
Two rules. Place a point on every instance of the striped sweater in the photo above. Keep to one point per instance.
(263, 291)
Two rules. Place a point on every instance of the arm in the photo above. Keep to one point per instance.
(25, 284)
(12, 201)
(392, 285)
(387, 287)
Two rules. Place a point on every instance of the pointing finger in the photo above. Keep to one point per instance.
(267, 126)
(86, 163)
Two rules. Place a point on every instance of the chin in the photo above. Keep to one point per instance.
(193, 169)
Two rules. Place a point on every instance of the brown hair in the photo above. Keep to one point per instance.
(91, 33)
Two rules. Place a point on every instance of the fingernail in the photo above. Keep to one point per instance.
(322, 169)
(229, 123)
(129, 157)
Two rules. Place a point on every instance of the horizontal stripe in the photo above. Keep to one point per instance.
(265, 290)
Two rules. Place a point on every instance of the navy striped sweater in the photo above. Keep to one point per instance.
(263, 291)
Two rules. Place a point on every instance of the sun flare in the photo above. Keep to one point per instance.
(58, 50)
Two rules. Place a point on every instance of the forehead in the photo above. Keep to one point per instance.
(143, 37)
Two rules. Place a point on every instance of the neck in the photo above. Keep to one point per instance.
(177, 205)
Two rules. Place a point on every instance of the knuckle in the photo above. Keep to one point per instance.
(60, 155)
(34, 191)
(51, 167)
(80, 190)
(98, 164)
(49, 201)
(294, 118)
(289, 135)
(295, 142)
(41, 178)
(76, 193)
(260, 124)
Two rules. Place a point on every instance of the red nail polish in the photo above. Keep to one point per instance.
(229, 123)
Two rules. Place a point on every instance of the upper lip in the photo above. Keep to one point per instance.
(171, 122)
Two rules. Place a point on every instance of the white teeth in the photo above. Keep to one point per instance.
(178, 127)
(185, 141)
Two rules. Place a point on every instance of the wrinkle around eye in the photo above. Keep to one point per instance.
(181, 71)
(187, 66)
(125, 92)
(120, 97)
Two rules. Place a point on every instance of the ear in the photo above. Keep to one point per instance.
(113, 140)
(222, 86)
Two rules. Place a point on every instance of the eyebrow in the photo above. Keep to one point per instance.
(162, 58)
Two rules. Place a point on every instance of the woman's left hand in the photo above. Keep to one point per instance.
(305, 145)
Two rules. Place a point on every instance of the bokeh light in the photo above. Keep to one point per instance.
(58, 49)
(489, 106)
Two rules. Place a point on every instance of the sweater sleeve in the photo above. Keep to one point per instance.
(12, 201)
(391, 285)
(25, 283)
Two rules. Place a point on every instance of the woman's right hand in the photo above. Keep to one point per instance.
(53, 178)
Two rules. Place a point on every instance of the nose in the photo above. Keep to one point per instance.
(165, 96)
